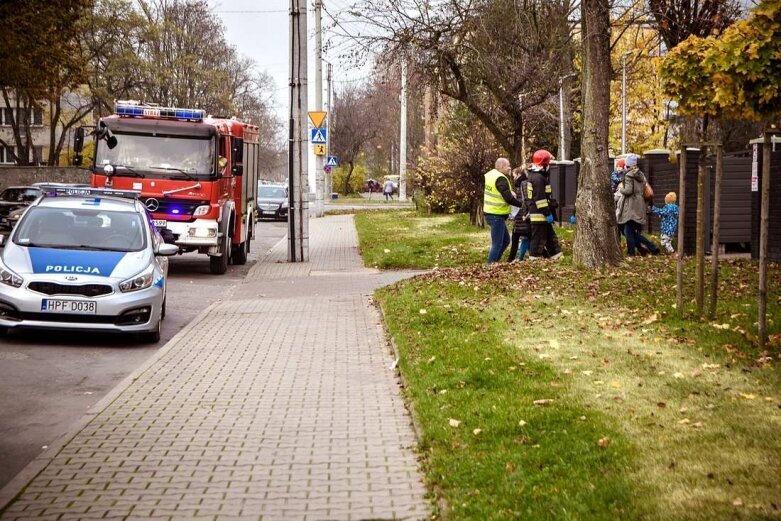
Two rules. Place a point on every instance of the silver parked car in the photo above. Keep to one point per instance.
(85, 259)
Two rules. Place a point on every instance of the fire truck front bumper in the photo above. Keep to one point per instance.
(197, 234)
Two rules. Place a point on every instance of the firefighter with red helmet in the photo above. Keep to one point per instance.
(544, 242)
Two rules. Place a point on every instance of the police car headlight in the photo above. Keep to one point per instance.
(141, 281)
(10, 278)
(201, 210)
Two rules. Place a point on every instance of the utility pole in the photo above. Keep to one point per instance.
(298, 184)
(403, 136)
(523, 130)
(623, 101)
(562, 139)
(319, 160)
(329, 82)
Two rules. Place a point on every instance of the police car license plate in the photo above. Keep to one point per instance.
(160, 223)
(78, 307)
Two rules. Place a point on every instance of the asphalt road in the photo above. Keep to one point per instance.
(48, 380)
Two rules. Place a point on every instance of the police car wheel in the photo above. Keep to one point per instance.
(3, 331)
(162, 311)
(152, 337)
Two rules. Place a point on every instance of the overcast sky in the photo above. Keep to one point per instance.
(260, 30)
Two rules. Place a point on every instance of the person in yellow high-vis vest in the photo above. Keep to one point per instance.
(497, 198)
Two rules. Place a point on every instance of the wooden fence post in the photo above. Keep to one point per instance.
(681, 228)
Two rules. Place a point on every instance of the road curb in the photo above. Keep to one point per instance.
(18, 483)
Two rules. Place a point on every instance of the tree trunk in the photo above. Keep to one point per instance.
(54, 118)
(476, 215)
(714, 276)
(347, 178)
(596, 242)
(699, 249)
(429, 137)
(763, 224)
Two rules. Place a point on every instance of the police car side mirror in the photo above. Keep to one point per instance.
(2, 240)
(167, 249)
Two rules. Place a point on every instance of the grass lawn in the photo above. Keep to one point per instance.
(639, 414)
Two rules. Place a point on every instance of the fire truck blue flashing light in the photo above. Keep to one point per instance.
(134, 110)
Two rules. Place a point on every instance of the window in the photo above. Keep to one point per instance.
(38, 117)
(6, 155)
(7, 116)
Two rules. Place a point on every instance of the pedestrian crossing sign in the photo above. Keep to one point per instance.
(332, 161)
(319, 136)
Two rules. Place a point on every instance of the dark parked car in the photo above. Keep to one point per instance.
(272, 201)
(13, 201)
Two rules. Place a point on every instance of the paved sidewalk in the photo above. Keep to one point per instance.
(277, 403)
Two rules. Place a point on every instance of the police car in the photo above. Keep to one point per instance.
(85, 259)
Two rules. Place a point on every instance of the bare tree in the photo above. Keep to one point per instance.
(676, 20)
(498, 57)
(352, 128)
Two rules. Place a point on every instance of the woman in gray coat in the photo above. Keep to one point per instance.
(631, 208)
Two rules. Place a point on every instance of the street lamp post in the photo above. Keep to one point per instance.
(623, 101)
(562, 144)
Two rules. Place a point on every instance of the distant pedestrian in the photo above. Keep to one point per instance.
(669, 220)
(544, 242)
(387, 189)
(497, 198)
(618, 174)
(631, 210)
(520, 215)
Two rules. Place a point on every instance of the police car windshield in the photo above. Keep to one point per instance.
(81, 229)
(164, 155)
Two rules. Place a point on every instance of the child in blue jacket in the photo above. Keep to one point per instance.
(669, 216)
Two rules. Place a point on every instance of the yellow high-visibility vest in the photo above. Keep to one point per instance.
(493, 202)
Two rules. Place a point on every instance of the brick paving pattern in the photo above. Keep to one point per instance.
(277, 404)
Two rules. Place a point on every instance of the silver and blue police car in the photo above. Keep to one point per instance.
(85, 259)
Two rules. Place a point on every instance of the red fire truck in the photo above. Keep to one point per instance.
(197, 175)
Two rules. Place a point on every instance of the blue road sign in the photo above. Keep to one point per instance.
(332, 161)
(319, 136)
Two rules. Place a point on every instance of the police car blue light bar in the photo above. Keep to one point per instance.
(136, 109)
(60, 191)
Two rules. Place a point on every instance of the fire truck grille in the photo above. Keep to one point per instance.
(172, 206)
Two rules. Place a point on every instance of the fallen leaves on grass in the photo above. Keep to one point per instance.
(543, 403)
(454, 423)
(604, 442)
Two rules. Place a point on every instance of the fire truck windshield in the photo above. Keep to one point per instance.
(163, 156)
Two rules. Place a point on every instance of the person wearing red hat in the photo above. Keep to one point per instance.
(618, 174)
(544, 242)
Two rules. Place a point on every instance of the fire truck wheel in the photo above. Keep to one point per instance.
(239, 257)
(219, 265)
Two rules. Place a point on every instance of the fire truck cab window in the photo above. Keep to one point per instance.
(170, 155)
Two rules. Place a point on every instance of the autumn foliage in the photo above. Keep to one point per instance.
(737, 74)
